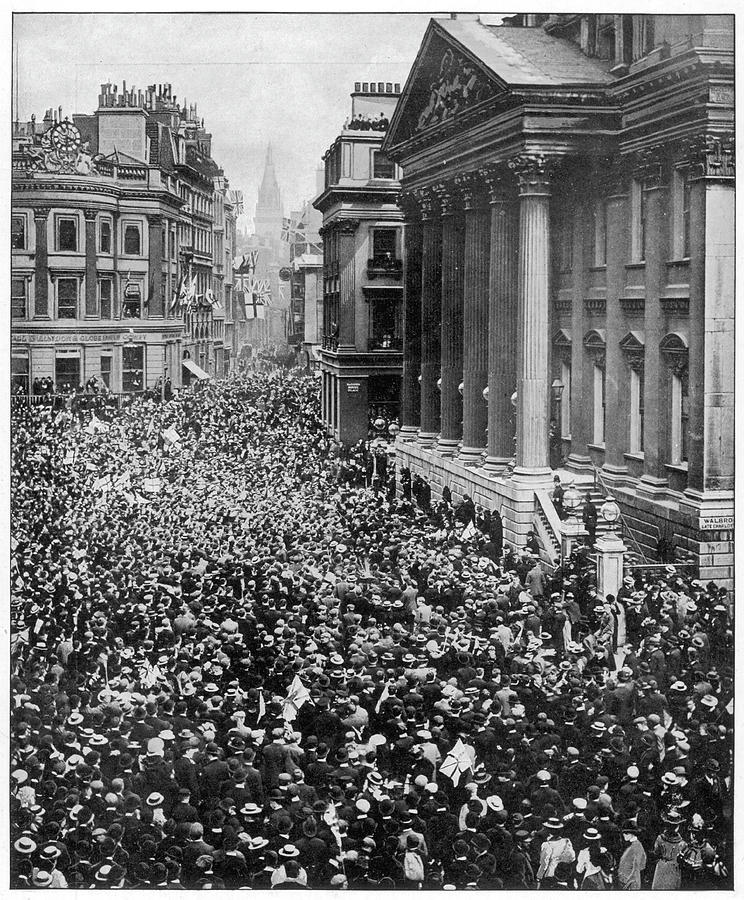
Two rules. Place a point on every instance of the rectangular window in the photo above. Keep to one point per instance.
(382, 167)
(599, 405)
(67, 371)
(383, 244)
(600, 232)
(20, 372)
(636, 412)
(132, 368)
(18, 233)
(105, 292)
(107, 365)
(104, 236)
(67, 228)
(131, 304)
(566, 400)
(680, 419)
(172, 244)
(18, 305)
(67, 298)
(132, 239)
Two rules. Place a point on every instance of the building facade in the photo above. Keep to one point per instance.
(569, 195)
(109, 211)
(306, 279)
(363, 247)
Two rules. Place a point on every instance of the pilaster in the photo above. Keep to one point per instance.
(41, 297)
(155, 306)
(431, 316)
(410, 417)
(91, 274)
(347, 229)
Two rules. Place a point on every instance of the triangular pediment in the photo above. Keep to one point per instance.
(447, 81)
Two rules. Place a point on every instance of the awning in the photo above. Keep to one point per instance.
(195, 370)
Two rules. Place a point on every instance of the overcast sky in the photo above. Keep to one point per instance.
(256, 78)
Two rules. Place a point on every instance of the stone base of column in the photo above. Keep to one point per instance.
(576, 462)
(447, 446)
(652, 486)
(534, 477)
(427, 438)
(408, 433)
(471, 456)
(496, 465)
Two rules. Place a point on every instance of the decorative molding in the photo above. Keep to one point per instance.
(562, 305)
(407, 202)
(62, 151)
(562, 345)
(471, 187)
(155, 221)
(595, 306)
(675, 353)
(632, 305)
(675, 306)
(532, 171)
(595, 345)
(90, 215)
(42, 212)
(347, 226)
(457, 86)
(634, 350)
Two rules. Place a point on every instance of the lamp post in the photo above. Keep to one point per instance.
(610, 552)
(572, 529)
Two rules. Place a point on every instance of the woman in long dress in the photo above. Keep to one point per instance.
(668, 848)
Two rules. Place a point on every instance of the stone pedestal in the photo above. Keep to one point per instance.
(610, 555)
(475, 320)
(431, 313)
(572, 533)
(453, 249)
(533, 386)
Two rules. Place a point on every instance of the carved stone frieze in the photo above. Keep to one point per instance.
(458, 85)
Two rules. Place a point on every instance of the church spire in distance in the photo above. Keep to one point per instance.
(269, 196)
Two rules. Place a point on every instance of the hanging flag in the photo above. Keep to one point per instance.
(460, 758)
(469, 531)
(261, 707)
(171, 435)
(330, 817)
(69, 459)
(152, 485)
(102, 484)
(383, 697)
(296, 697)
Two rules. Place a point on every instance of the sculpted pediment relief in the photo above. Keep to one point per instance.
(457, 85)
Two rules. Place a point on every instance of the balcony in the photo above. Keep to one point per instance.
(329, 342)
(385, 267)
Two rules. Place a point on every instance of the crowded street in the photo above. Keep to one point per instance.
(244, 655)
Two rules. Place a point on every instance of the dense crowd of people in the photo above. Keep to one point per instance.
(244, 658)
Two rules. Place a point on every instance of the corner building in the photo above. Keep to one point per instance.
(363, 246)
(568, 187)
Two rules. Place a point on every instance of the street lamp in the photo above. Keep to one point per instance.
(439, 384)
(379, 423)
(572, 500)
(513, 399)
(485, 393)
(610, 512)
(461, 387)
(394, 428)
(557, 389)
(571, 527)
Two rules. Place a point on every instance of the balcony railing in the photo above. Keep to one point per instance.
(385, 266)
(329, 342)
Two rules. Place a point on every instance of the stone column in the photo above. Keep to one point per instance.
(453, 252)
(155, 266)
(655, 442)
(347, 229)
(41, 296)
(475, 318)
(533, 384)
(617, 382)
(410, 406)
(91, 272)
(431, 317)
(502, 320)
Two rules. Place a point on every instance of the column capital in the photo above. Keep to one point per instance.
(427, 203)
(408, 203)
(448, 196)
(648, 165)
(470, 185)
(154, 219)
(42, 212)
(711, 156)
(347, 226)
(533, 171)
(499, 182)
(90, 215)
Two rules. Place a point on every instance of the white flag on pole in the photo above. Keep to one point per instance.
(297, 696)
(460, 758)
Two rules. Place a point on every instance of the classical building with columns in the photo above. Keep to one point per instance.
(568, 188)
(109, 211)
(363, 246)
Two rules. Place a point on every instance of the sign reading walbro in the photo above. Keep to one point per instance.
(716, 523)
